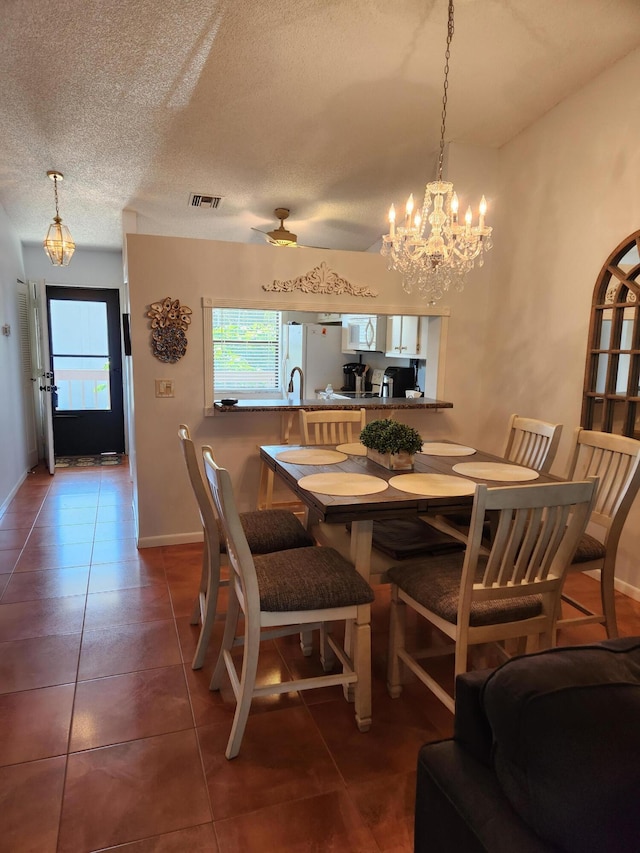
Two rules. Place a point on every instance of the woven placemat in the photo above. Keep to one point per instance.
(343, 484)
(433, 485)
(354, 448)
(311, 456)
(499, 471)
(441, 448)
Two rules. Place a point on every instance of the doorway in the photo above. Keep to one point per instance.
(86, 363)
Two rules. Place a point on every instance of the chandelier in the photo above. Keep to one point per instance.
(58, 244)
(433, 248)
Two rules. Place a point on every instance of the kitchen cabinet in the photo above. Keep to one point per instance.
(406, 336)
(363, 333)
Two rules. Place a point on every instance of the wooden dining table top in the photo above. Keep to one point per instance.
(390, 503)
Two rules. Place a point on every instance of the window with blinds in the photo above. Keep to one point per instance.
(246, 350)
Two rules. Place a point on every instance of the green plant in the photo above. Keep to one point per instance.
(387, 436)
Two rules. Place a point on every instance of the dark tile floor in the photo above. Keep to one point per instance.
(108, 738)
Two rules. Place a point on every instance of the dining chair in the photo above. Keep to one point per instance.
(531, 443)
(282, 592)
(615, 460)
(509, 591)
(342, 426)
(266, 530)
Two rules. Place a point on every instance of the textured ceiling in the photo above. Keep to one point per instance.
(328, 107)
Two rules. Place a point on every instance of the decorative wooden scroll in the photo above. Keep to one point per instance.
(169, 324)
(320, 280)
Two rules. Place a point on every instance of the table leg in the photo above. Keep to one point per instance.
(360, 547)
(360, 551)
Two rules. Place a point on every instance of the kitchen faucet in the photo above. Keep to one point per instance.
(290, 388)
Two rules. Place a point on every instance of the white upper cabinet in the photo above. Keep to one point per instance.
(363, 333)
(406, 337)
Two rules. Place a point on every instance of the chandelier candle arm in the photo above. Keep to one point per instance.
(436, 249)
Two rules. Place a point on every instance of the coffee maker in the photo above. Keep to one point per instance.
(403, 379)
(351, 370)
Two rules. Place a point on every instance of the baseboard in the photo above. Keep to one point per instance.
(170, 539)
(12, 493)
(622, 586)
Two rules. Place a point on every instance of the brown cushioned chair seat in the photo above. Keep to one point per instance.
(270, 530)
(589, 549)
(435, 584)
(309, 579)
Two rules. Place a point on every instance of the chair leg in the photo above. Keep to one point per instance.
(208, 613)
(230, 625)
(265, 488)
(461, 655)
(205, 573)
(250, 656)
(306, 643)
(362, 667)
(327, 657)
(607, 593)
(397, 631)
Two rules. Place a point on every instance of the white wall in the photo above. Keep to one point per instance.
(13, 459)
(568, 197)
(87, 268)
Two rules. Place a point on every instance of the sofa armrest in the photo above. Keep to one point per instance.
(471, 728)
(460, 807)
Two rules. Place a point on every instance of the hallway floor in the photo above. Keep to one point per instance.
(108, 738)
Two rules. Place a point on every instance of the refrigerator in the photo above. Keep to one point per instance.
(317, 349)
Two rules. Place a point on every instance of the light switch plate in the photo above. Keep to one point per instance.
(164, 387)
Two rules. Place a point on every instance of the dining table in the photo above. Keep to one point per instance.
(344, 491)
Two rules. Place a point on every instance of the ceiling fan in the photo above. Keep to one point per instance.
(280, 236)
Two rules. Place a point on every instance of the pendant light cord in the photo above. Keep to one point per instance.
(446, 87)
(55, 193)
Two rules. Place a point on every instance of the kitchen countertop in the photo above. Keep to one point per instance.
(338, 404)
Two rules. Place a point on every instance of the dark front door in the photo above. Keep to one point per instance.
(86, 362)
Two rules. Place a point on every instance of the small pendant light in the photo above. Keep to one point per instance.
(58, 243)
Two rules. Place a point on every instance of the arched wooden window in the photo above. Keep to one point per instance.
(611, 400)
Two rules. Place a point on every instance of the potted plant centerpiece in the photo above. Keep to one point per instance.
(391, 443)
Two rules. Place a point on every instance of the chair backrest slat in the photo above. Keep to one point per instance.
(532, 443)
(239, 553)
(331, 426)
(200, 490)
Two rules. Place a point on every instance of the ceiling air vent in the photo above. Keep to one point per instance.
(210, 202)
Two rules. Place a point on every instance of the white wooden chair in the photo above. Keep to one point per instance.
(615, 460)
(271, 530)
(511, 591)
(532, 443)
(330, 426)
(281, 592)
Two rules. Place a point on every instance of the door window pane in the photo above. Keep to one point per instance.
(82, 383)
(79, 348)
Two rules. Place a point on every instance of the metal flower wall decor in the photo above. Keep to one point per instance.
(169, 324)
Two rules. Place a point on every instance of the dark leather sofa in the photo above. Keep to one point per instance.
(545, 757)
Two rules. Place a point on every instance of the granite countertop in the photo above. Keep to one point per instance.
(336, 403)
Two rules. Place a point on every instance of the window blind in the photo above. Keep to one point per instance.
(246, 350)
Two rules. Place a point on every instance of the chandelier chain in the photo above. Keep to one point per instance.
(447, 56)
(55, 193)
